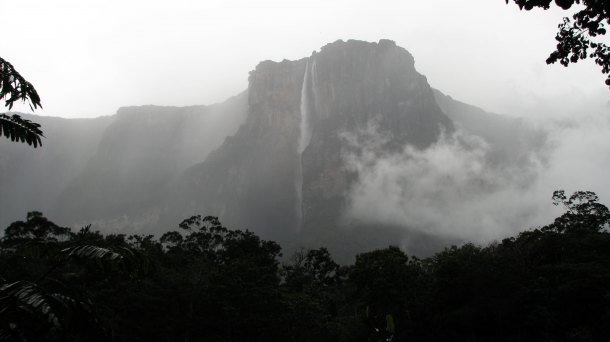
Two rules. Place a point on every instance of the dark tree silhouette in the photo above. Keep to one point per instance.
(35, 227)
(13, 88)
(207, 282)
(45, 306)
(583, 212)
(576, 39)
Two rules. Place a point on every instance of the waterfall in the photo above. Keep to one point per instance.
(304, 137)
(314, 90)
(306, 128)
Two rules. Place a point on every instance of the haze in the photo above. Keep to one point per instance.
(87, 59)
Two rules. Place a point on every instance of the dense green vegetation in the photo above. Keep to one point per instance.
(208, 283)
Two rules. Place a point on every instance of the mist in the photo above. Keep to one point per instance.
(455, 190)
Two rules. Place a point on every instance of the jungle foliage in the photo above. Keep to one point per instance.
(206, 282)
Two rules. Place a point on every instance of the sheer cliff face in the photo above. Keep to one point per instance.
(114, 172)
(249, 180)
(32, 179)
(285, 169)
(125, 184)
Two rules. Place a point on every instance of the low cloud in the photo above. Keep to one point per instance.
(452, 189)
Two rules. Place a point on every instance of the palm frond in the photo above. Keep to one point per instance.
(26, 297)
(29, 313)
(91, 253)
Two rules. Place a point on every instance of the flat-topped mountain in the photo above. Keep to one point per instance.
(276, 159)
(284, 169)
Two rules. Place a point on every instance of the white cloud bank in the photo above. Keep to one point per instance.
(451, 190)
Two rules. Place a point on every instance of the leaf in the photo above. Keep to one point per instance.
(28, 297)
(27, 310)
(14, 87)
(135, 264)
(91, 253)
(22, 130)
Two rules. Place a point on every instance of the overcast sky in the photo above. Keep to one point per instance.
(88, 58)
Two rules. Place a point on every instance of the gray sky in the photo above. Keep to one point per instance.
(87, 58)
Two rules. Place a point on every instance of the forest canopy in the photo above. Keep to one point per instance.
(207, 282)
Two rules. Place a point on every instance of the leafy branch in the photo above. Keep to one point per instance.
(26, 305)
(20, 130)
(13, 88)
(576, 38)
